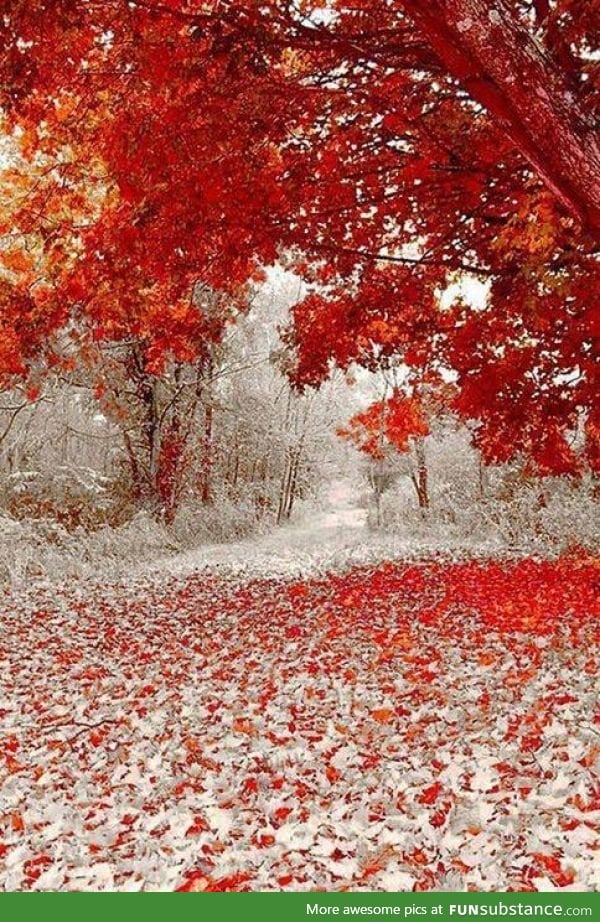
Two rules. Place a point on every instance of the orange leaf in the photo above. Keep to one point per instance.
(333, 774)
(16, 260)
(383, 715)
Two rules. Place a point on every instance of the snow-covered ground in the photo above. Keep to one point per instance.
(330, 540)
(335, 537)
(297, 711)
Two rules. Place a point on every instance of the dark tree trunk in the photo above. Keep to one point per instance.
(284, 490)
(137, 479)
(207, 456)
(378, 495)
(293, 483)
(482, 478)
(151, 445)
(420, 478)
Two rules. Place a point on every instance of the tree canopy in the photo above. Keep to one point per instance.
(388, 151)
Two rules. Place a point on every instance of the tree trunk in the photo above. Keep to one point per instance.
(136, 475)
(482, 478)
(502, 66)
(378, 507)
(207, 455)
(154, 439)
(284, 490)
(151, 442)
(420, 479)
(293, 482)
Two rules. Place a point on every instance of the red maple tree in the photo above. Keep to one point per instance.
(387, 149)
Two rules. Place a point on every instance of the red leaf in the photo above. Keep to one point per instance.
(431, 794)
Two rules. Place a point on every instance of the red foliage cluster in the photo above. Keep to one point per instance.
(387, 151)
(387, 423)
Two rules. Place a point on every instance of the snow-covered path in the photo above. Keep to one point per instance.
(336, 534)
(334, 539)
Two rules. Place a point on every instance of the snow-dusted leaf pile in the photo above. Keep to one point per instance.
(422, 726)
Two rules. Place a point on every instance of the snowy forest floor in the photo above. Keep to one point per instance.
(275, 716)
(335, 538)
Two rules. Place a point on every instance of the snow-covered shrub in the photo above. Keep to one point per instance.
(554, 513)
(68, 495)
(500, 505)
(571, 517)
(547, 515)
(222, 520)
(39, 548)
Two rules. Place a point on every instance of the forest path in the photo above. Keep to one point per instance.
(331, 540)
(340, 520)
(318, 542)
